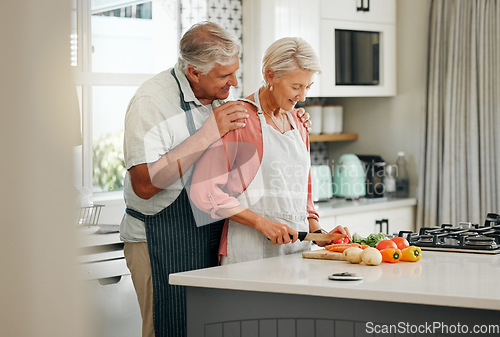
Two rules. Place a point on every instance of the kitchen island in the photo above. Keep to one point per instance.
(292, 296)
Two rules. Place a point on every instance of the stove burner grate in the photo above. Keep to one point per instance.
(466, 237)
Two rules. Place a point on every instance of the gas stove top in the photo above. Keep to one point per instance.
(466, 237)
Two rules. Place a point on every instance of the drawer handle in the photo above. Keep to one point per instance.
(367, 8)
(380, 223)
(109, 280)
(361, 7)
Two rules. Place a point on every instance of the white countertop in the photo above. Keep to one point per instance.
(99, 247)
(439, 278)
(97, 239)
(341, 206)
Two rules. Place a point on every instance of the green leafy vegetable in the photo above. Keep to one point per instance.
(356, 238)
(371, 240)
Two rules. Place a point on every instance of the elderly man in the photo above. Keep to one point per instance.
(170, 121)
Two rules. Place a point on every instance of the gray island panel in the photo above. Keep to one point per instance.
(288, 295)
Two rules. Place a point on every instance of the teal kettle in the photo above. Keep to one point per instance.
(349, 177)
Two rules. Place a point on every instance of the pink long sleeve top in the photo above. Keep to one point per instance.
(229, 165)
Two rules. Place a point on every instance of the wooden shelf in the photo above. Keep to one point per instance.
(334, 137)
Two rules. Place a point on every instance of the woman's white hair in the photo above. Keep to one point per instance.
(205, 45)
(288, 54)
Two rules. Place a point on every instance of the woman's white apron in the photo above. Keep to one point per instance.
(278, 192)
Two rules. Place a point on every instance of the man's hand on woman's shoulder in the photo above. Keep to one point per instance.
(225, 118)
(304, 117)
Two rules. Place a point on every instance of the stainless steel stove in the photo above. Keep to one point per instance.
(465, 238)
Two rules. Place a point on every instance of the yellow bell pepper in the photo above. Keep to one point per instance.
(411, 254)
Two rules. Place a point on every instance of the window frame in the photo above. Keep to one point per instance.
(85, 78)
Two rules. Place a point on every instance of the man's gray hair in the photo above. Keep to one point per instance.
(288, 54)
(205, 45)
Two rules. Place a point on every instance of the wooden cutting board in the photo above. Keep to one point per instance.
(323, 254)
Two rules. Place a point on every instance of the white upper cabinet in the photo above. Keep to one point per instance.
(351, 67)
(361, 64)
(265, 21)
(358, 48)
(375, 11)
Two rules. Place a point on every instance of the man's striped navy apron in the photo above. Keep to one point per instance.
(176, 244)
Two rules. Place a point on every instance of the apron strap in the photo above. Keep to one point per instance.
(135, 214)
(257, 103)
(189, 118)
(185, 107)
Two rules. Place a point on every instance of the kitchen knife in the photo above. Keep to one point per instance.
(319, 236)
(305, 236)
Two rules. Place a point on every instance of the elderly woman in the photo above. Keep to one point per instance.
(258, 177)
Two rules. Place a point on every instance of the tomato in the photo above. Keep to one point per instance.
(401, 242)
(344, 240)
(391, 255)
(384, 244)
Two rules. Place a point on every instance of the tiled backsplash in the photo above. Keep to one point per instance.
(226, 13)
(319, 153)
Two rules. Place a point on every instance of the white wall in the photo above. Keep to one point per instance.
(387, 125)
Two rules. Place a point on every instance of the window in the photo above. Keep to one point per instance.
(115, 46)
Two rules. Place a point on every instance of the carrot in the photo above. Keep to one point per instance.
(340, 247)
(364, 246)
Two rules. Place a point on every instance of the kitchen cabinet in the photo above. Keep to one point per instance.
(363, 218)
(380, 21)
(265, 21)
(316, 21)
(376, 11)
(111, 298)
